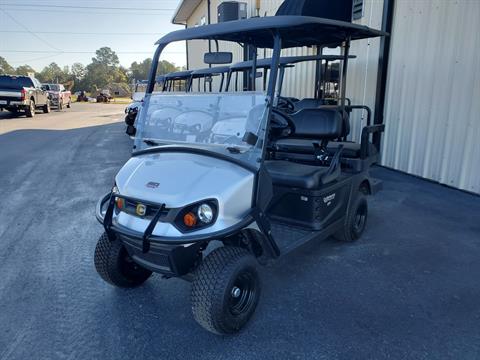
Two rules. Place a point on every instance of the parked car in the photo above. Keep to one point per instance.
(22, 93)
(59, 96)
(104, 96)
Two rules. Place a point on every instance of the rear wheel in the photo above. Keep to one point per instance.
(115, 266)
(356, 220)
(226, 290)
(30, 111)
(69, 104)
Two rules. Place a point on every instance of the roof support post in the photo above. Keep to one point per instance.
(384, 55)
(153, 70)
(252, 80)
(318, 74)
(343, 84)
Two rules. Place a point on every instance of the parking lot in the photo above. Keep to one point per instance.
(408, 289)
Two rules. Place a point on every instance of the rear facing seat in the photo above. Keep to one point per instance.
(305, 137)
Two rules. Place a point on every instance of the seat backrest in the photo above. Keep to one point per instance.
(318, 124)
(346, 118)
(308, 104)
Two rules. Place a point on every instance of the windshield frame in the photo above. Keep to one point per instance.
(271, 93)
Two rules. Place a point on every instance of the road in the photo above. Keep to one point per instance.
(409, 289)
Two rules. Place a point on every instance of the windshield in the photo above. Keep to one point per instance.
(229, 123)
(52, 87)
(15, 82)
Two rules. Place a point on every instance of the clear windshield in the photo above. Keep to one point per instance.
(51, 87)
(229, 123)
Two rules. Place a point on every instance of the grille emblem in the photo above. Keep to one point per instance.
(141, 210)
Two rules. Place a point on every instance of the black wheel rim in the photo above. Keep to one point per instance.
(360, 219)
(243, 293)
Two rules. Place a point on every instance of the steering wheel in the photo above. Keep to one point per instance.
(281, 123)
(286, 104)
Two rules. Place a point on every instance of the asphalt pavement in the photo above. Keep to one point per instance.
(409, 289)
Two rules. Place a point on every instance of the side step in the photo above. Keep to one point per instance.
(288, 238)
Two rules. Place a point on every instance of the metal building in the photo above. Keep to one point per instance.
(430, 99)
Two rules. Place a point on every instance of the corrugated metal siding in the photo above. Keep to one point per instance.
(432, 108)
(362, 71)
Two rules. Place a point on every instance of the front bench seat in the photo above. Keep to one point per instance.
(295, 175)
(323, 125)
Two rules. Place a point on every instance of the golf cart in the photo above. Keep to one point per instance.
(183, 80)
(194, 205)
(132, 109)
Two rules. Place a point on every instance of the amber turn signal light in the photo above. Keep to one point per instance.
(120, 203)
(190, 220)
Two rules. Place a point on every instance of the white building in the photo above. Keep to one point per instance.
(431, 98)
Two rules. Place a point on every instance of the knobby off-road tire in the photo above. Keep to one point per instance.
(356, 220)
(115, 266)
(30, 111)
(226, 290)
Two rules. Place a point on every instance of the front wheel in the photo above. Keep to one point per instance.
(46, 107)
(60, 104)
(226, 290)
(356, 220)
(115, 266)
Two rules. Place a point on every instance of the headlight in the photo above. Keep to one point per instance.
(205, 213)
(197, 216)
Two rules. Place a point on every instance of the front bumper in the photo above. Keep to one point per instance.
(173, 256)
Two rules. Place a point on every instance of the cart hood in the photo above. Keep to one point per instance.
(180, 179)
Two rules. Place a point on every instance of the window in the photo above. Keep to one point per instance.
(357, 11)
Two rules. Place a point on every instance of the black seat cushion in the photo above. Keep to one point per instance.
(305, 146)
(318, 124)
(296, 175)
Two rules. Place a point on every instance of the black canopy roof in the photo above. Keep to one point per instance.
(285, 61)
(295, 31)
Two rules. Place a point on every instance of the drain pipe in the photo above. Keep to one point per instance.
(387, 22)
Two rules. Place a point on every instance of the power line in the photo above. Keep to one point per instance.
(28, 30)
(77, 33)
(89, 7)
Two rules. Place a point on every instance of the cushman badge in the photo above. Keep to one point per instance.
(153, 185)
(141, 210)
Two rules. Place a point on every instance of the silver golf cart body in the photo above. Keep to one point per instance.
(184, 155)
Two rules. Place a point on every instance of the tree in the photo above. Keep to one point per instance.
(53, 74)
(140, 71)
(5, 67)
(104, 70)
(106, 57)
(78, 71)
(165, 67)
(25, 70)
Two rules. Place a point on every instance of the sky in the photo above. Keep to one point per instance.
(39, 32)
